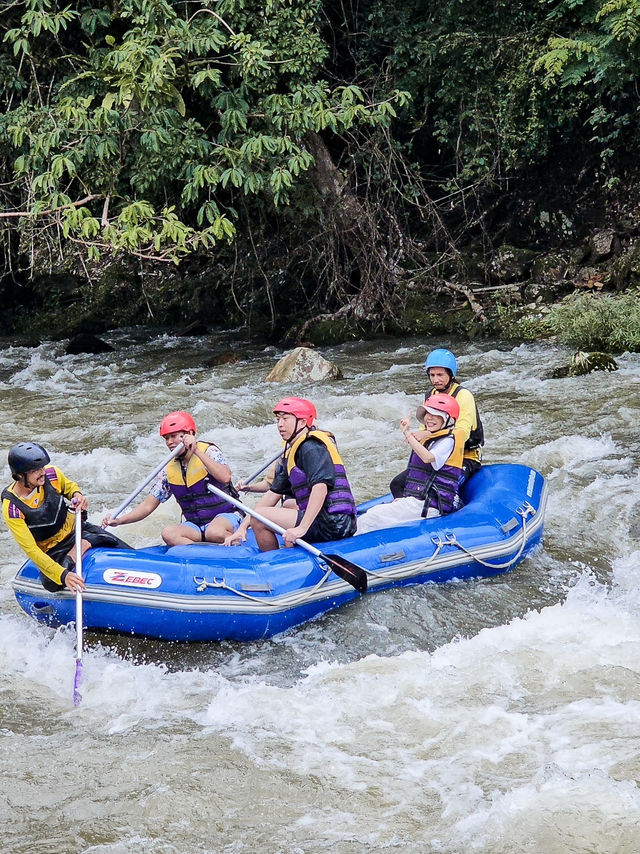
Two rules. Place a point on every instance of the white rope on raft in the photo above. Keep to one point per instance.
(449, 540)
(221, 584)
(523, 512)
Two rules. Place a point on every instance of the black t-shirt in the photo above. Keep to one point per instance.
(314, 459)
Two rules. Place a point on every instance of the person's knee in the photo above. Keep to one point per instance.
(96, 537)
(216, 532)
(178, 535)
(170, 535)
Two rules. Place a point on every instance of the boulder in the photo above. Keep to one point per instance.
(86, 343)
(303, 365)
(584, 363)
(625, 270)
(603, 245)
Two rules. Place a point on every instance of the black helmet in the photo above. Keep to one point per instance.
(26, 456)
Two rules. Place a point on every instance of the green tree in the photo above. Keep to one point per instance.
(140, 126)
(593, 55)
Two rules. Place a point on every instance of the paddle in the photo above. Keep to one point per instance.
(355, 575)
(263, 468)
(153, 474)
(77, 696)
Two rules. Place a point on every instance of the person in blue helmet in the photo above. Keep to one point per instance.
(442, 367)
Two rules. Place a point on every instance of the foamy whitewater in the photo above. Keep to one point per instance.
(488, 716)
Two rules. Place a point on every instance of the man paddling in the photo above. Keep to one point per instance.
(441, 367)
(208, 518)
(41, 521)
(314, 474)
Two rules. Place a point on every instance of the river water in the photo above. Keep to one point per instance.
(491, 716)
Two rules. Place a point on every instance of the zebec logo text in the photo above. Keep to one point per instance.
(148, 580)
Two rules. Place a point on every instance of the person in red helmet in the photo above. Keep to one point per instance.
(265, 484)
(206, 517)
(434, 473)
(441, 367)
(313, 472)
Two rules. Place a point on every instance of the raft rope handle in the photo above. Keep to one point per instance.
(523, 511)
(450, 540)
(202, 584)
(389, 573)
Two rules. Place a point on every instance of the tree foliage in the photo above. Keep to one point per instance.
(348, 146)
(139, 126)
(594, 52)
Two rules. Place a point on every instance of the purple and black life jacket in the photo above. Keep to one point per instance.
(190, 490)
(339, 498)
(438, 489)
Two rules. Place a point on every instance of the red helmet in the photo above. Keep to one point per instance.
(298, 406)
(176, 421)
(440, 404)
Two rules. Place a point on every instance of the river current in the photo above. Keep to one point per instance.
(491, 716)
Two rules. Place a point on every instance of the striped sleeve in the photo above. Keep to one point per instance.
(13, 512)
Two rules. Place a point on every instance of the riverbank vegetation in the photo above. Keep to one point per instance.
(316, 170)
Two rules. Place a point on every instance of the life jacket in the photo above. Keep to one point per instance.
(49, 517)
(438, 489)
(476, 436)
(339, 498)
(190, 490)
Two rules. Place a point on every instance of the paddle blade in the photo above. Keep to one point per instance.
(350, 572)
(77, 696)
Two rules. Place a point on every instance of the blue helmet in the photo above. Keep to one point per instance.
(441, 359)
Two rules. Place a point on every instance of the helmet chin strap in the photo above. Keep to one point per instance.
(297, 431)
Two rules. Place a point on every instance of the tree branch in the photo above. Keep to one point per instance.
(77, 204)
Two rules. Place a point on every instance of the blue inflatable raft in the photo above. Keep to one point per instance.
(211, 593)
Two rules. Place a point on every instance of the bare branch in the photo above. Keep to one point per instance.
(77, 204)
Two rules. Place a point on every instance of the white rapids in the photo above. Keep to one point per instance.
(492, 716)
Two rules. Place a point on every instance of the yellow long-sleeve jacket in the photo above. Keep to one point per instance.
(16, 522)
(467, 421)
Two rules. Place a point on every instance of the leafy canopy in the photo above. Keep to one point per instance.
(138, 126)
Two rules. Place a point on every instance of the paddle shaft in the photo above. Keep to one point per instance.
(79, 640)
(153, 474)
(263, 468)
(350, 572)
(251, 512)
(78, 532)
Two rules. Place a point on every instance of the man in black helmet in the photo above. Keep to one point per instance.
(42, 522)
